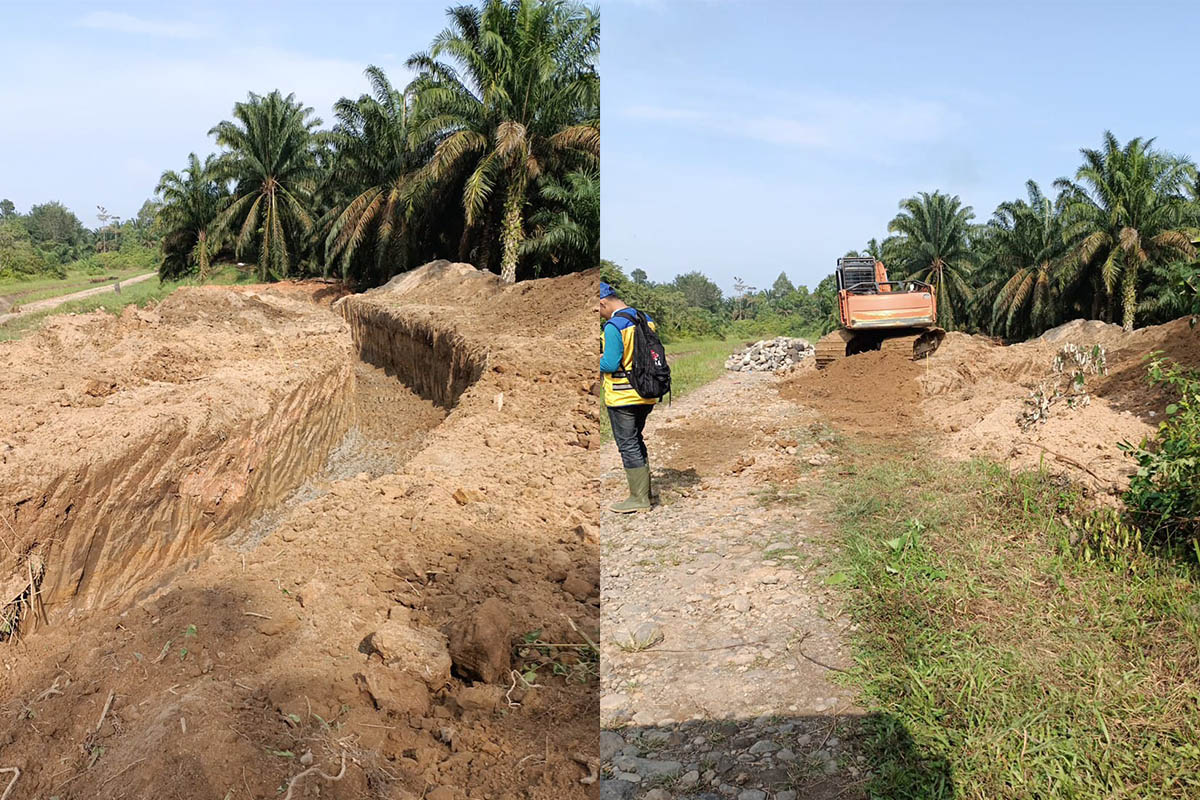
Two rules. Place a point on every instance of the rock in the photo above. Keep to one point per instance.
(481, 698)
(611, 743)
(464, 496)
(578, 587)
(689, 779)
(616, 789)
(752, 794)
(770, 355)
(647, 767)
(786, 755)
(443, 793)
(657, 794)
(402, 694)
(741, 604)
(480, 646)
(558, 565)
(763, 746)
(787, 794)
(413, 649)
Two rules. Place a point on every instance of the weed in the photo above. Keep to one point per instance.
(575, 663)
(1000, 651)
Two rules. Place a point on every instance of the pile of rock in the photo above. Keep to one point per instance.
(769, 355)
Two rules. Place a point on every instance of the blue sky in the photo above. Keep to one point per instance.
(99, 98)
(745, 139)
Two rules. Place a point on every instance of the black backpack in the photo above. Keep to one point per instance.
(651, 375)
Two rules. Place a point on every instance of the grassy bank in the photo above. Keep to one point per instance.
(138, 294)
(29, 291)
(1001, 662)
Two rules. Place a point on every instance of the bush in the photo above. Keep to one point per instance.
(1164, 494)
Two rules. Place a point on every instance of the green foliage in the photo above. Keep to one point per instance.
(516, 102)
(17, 254)
(996, 660)
(1127, 210)
(1164, 495)
(56, 232)
(190, 201)
(270, 157)
(933, 246)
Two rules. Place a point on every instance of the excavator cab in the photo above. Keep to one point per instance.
(880, 314)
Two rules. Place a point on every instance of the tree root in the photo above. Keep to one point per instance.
(294, 782)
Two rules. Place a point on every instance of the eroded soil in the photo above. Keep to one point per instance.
(358, 636)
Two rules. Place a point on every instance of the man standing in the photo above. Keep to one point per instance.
(627, 410)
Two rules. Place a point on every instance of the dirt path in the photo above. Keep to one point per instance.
(55, 302)
(716, 620)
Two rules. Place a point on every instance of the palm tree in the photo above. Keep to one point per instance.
(520, 100)
(191, 200)
(1027, 250)
(378, 159)
(269, 154)
(1126, 209)
(932, 246)
(566, 230)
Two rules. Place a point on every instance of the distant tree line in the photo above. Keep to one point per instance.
(49, 239)
(1117, 242)
(489, 155)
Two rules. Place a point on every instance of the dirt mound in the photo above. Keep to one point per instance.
(263, 658)
(874, 392)
(973, 390)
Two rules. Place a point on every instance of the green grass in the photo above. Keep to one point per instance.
(76, 281)
(998, 661)
(138, 294)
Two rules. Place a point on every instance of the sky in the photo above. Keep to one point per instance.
(97, 99)
(745, 139)
(738, 138)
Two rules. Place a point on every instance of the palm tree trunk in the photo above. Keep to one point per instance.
(1128, 296)
(512, 232)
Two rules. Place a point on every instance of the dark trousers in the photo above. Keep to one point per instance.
(627, 424)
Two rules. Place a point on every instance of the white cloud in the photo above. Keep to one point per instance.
(127, 23)
(874, 128)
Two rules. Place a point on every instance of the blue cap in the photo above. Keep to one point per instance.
(606, 290)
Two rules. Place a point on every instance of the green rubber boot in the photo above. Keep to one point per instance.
(639, 492)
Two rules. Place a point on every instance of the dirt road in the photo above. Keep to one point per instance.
(720, 638)
(55, 302)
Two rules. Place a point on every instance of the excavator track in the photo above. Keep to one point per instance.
(843, 343)
(831, 347)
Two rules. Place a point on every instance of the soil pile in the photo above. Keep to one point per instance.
(876, 393)
(379, 621)
(972, 392)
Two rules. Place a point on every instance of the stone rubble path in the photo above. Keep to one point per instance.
(718, 632)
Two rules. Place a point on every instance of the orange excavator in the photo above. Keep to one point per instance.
(878, 314)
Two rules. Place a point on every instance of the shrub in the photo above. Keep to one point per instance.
(1164, 495)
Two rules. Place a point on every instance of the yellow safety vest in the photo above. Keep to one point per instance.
(617, 390)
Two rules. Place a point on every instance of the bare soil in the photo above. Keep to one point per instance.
(198, 631)
(971, 392)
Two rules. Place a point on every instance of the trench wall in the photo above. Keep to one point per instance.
(129, 521)
(434, 361)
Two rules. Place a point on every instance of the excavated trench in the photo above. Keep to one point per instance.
(108, 531)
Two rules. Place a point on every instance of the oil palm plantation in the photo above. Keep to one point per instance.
(191, 200)
(565, 231)
(932, 245)
(377, 163)
(516, 100)
(1027, 250)
(269, 155)
(1127, 210)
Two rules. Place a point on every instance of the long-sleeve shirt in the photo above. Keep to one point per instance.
(614, 349)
